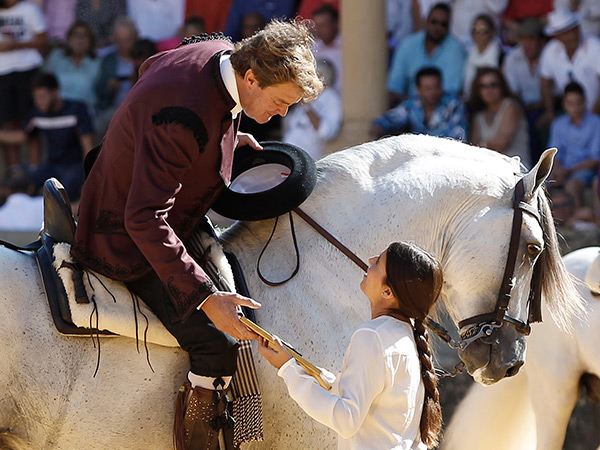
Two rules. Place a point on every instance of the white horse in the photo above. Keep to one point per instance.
(532, 410)
(451, 199)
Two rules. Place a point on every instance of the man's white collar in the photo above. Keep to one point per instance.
(228, 75)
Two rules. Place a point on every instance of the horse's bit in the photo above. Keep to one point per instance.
(485, 323)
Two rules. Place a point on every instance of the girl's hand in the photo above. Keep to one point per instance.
(275, 353)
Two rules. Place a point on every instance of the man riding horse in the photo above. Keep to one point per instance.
(166, 156)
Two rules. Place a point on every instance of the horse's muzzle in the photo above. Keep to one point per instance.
(495, 357)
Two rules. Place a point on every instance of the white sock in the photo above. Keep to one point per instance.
(206, 382)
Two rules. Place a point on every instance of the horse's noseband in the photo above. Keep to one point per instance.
(487, 323)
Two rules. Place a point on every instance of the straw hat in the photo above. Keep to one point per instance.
(561, 20)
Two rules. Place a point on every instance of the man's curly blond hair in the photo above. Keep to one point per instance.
(280, 53)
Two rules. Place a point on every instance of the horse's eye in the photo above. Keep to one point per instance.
(533, 250)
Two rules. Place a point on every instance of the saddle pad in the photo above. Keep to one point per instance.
(114, 307)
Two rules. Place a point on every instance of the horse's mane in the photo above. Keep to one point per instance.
(557, 285)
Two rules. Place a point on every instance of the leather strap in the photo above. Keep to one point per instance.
(327, 235)
(500, 313)
(515, 235)
(260, 275)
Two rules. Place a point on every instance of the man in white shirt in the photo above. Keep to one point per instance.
(522, 72)
(22, 36)
(310, 126)
(569, 56)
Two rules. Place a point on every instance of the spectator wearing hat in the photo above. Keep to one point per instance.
(588, 10)
(522, 72)
(569, 56)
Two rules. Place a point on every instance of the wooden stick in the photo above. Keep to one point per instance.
(311, 369)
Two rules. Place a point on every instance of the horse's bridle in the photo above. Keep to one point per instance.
(485, 323)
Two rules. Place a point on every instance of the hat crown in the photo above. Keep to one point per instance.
(560, 20)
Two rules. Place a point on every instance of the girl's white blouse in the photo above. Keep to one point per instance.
(377, 399)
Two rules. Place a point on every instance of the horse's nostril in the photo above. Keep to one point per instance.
(511, 372)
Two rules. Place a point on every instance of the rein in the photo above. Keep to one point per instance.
(486, 323)
(319, 229)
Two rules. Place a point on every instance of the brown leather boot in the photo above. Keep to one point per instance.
(195, 425)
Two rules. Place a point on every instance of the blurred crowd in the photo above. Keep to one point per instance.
(515, 76)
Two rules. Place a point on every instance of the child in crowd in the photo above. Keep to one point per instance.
(386, 395)
(66, 129)
(576, 134)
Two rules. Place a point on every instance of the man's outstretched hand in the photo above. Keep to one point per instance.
(248, 139)
(220, 307)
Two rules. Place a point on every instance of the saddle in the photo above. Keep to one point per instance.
(59, 226)
(59, 229)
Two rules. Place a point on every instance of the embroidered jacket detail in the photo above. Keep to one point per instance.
(115, 271)
(186, 118)
(183, 302)
(109, 222)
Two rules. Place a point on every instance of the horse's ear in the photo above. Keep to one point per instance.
(536, 176)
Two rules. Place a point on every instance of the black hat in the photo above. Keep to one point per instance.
(274, 201)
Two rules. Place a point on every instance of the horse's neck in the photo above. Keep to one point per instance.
(412, 188)
(365, 219)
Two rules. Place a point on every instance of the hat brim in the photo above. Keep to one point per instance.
(551, 31)
(278, 200)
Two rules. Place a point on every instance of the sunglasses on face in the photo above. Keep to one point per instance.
(439, 22)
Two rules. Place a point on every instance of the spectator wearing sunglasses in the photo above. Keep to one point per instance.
(498, 121)
(432, 47)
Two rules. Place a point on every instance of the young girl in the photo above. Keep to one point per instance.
(386, 395)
